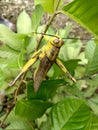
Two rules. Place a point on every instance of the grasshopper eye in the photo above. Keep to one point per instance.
(56, 41)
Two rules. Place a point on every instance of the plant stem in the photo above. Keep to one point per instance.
(48, 24)
(88, 76)
(30, 124)
(1, 125)
(57, 5)
(7, 103)
(46, 28)
(18, 88)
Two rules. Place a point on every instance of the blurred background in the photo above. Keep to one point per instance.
(10, 9)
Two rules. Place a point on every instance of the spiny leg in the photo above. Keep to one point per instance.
(59, 63)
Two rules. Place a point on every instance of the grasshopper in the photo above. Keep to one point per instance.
(47, 56)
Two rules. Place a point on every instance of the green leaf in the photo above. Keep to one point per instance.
(93, 122)
(21, 60)
(46, 90)
(24, 24)
(93, 103)
(49, 6)
(71, 65)
(70, 50)
(31, 108)
(65, 31)
(92, 55)
(92, 85)
(10, 38)
(73, 90)
(8, 57)
(32, 45)
(2, 77)
(20, 124)
(5, 54)
(69, 114)
(15, 122)
(85, 12)
(36, 17)
(6, 48)
(12, 63)
(90, 47)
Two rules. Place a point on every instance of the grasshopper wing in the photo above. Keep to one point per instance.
(59, 63)
(41, 71)
(26, 66)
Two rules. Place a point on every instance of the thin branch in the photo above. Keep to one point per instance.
(57, 5)
(29, 122)
(7, 103)
(18, 88)
(1, 125)
(88, 76)
(46, 28)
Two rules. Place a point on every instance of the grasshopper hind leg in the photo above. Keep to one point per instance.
(59, 63)
(14, 81)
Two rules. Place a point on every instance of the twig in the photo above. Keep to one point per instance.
(88, 76)
(30, 124)
(57, 5)
(18, 88)
(1, 124)
(7, 103)
(47, 26)
(45, 29)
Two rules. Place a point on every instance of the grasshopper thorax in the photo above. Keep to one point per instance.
(57, 42)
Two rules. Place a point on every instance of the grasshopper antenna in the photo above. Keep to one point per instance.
(51, 35)
(65, 38)
(85, 39)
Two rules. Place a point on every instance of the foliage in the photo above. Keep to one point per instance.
(59, 104)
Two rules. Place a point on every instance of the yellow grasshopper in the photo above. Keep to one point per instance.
(47, 56)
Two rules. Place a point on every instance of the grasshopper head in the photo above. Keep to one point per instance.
(57, 42)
